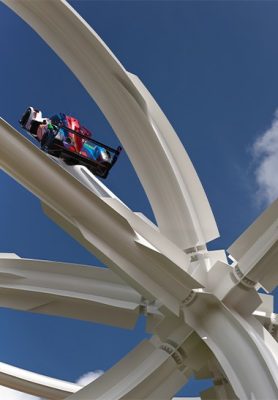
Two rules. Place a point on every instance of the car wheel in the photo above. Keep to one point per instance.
(69, 160)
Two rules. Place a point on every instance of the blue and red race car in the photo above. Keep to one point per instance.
(63, 136)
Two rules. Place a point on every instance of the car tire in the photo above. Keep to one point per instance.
(69, 160)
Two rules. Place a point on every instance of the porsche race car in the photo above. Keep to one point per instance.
(72, 142)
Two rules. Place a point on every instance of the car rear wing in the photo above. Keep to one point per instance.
(116, 151)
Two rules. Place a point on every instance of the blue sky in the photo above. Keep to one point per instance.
(212, 67)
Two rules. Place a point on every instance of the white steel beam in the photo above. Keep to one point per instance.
(35, 384)
(51, 196)
(237, 342)
(69, 290)
(180, 204)
(254, 255)
(135, 249)
(153, 370)
(142, 374)
(41, 385)
(256, 250)
(149, 262)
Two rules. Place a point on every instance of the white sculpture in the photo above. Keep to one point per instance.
(205, 315)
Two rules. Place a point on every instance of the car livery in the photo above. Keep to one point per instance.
(73, 143)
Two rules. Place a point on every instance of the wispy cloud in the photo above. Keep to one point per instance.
(265, 151)
(10, 394)
(89, 377)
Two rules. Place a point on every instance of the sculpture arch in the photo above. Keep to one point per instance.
(181, 294)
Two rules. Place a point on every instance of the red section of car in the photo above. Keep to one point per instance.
(73, 124)
(85, 132)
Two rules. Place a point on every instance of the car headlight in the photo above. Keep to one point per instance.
(104, 155)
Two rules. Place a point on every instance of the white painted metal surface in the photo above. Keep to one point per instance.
(146, 372)
(47, 190)
(35, 384)
(44, 386)
(200, 308)
(129, 248)
(70, 290)
(256, 250)
(236, 343)
(180, 204)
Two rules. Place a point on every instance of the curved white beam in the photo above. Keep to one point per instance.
(142, 256)
(145, 373)
(41, 385)
(192, 352)
(156, 368)
(180, 204)
(69, 290)
(55, 186)
(237, 343)
(152, 370)
(208, 316)
(35, 384)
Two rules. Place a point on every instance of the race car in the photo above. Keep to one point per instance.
(70, 141)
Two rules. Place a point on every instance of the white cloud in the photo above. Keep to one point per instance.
(89, 377)
(10, 394)
(265, 151)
